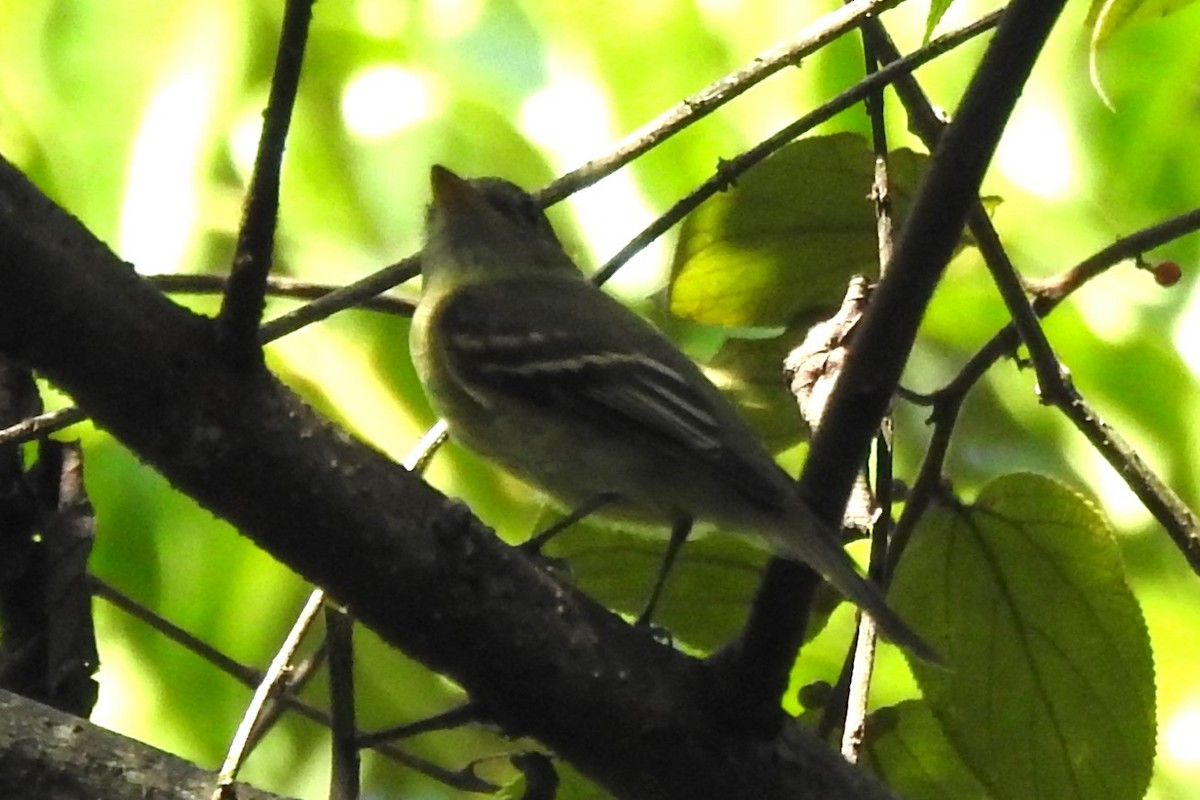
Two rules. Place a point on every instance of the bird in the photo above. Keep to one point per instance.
(536, 368)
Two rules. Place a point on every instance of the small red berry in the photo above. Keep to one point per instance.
(1167, 273)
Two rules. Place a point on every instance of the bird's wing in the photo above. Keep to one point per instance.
(578, 353)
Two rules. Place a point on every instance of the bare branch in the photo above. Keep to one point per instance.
(889, 327)
(728, 171)
(58, 754)
(280, 287)
(242, 306)
(699, 105)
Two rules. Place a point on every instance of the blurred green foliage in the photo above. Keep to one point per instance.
(140, 118)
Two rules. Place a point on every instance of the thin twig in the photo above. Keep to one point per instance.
(245, 298)
(1056, 388)
(728, 171)
(422, 452)
(865, 643)
(925, 121)
(271, 679)
(339, 639)
(454, 718)
(699, 105)
(1050, 291)
(248, 676)
(350, 295)
(1160, 500)
(929, 477)
(280, 287)
(300, 674)
(29, 429)
(862, 667)
(1170, 510)
(1177, 519)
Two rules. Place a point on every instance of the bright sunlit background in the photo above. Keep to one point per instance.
(142, 119)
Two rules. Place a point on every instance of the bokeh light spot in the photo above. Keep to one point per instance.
(383, 99)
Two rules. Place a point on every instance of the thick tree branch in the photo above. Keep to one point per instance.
(538, 657)
(889, 327)
(52, 755)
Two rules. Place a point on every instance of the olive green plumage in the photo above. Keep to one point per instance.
(533, 366)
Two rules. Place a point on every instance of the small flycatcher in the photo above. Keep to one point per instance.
(536, 368)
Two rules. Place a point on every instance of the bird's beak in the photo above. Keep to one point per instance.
(452, 196)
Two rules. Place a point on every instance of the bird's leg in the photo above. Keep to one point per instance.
(679, 534)
(538, 540)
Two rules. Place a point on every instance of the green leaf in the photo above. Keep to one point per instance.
(1048, 689)
(908, 750)
(571, 786)
(937, 9)
(750, 373)
(1107, 17)
(707, 594)
(786, 239)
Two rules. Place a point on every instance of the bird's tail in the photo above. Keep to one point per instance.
(820, 550)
